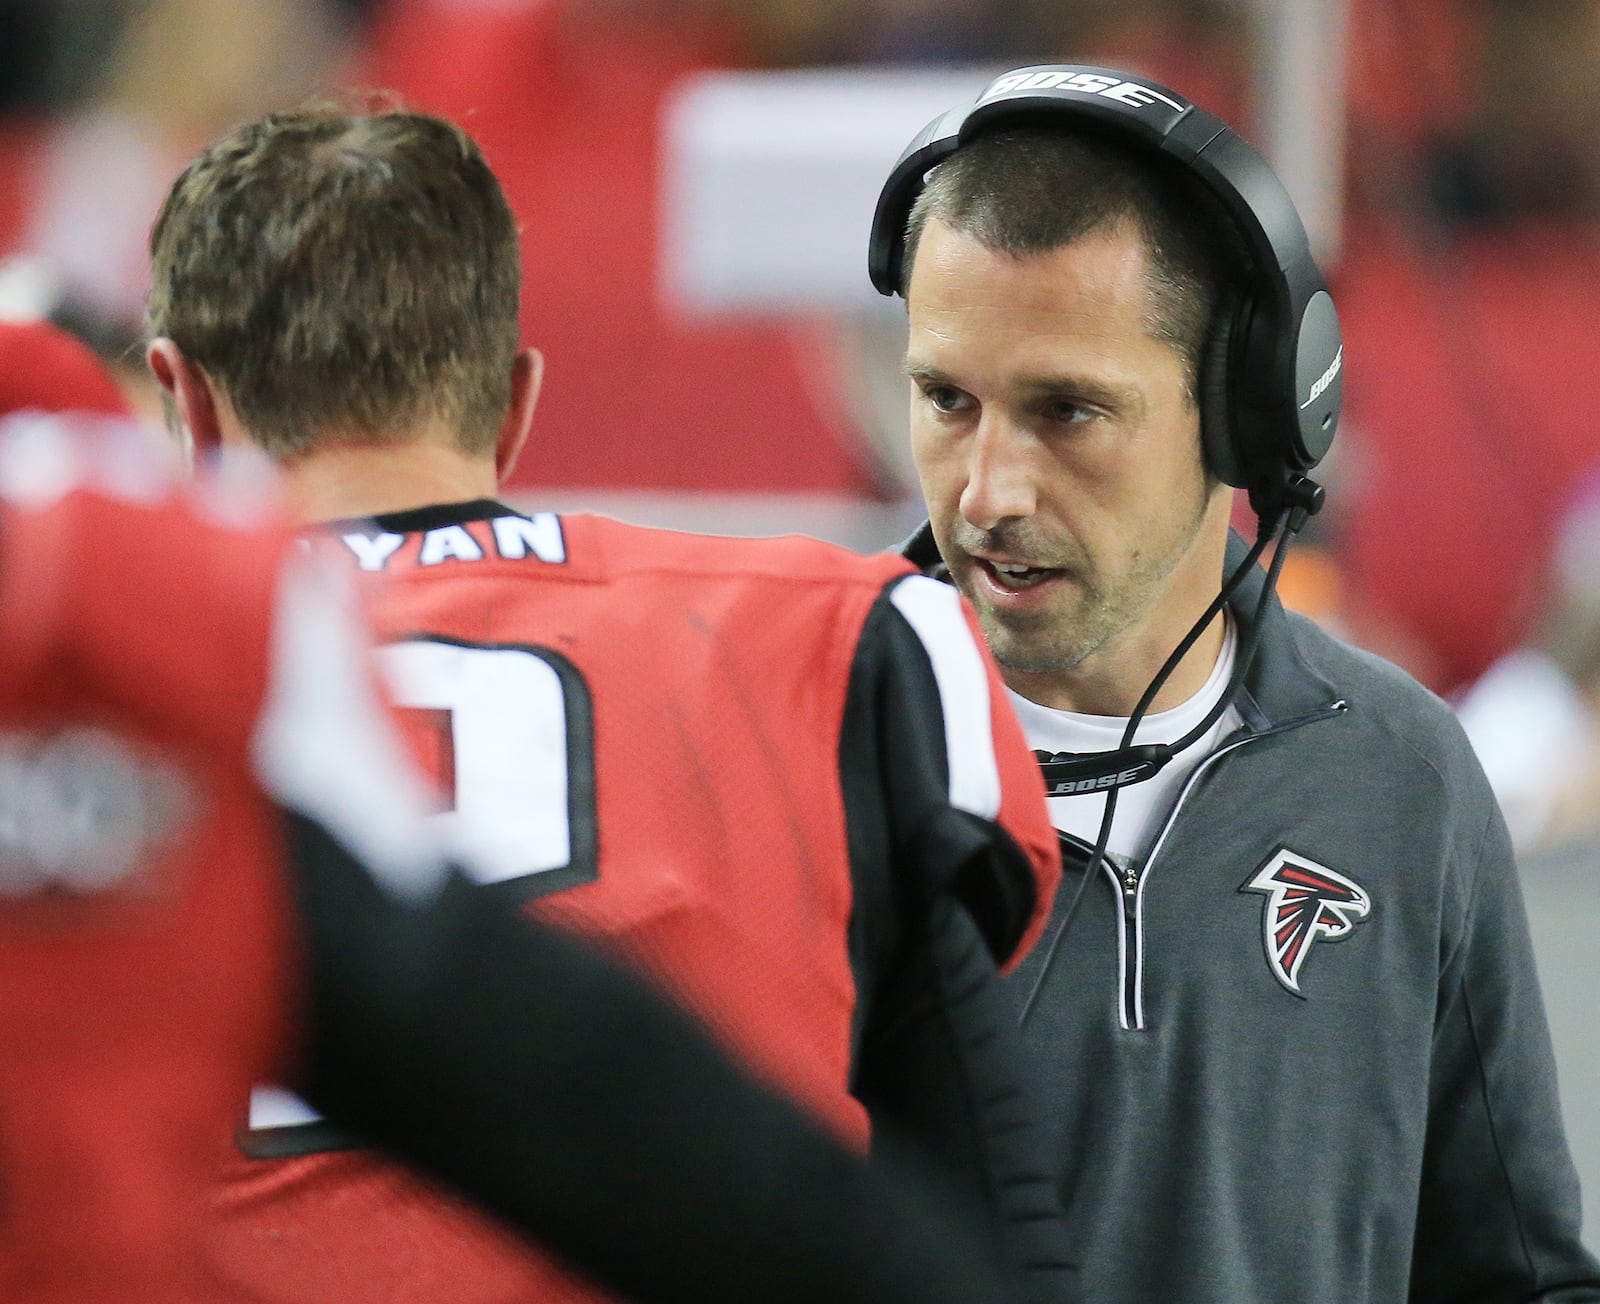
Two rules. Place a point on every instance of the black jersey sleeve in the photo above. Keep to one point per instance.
(558, 1092)
(941, 893)
(914, 836)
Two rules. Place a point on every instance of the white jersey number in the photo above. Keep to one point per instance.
(515, 732)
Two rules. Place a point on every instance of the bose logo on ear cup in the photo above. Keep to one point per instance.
(1112, 88)
(1325, 379)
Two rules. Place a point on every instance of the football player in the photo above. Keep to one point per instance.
(793, 794)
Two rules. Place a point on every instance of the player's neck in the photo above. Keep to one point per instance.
(347, 479)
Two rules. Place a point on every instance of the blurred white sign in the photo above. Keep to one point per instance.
(769, 181)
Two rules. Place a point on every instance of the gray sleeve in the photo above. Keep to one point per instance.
(1498, 1212)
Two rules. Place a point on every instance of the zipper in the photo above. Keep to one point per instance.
(1130, 881)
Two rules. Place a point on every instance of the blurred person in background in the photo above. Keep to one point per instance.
(793, 792)
(1534, 715)
(115, 96)
(1534, 719)
(101, 102)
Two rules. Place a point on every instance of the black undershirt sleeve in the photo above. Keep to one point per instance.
(562, 1094)
(940, 893)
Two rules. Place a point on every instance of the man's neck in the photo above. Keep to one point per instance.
(1102, 686)
(343, 480)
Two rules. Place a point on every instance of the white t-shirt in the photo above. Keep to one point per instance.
(1139, 805)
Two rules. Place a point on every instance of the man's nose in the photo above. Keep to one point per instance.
(1000, 474)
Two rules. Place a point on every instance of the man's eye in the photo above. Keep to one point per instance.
(1067, 412)
(944, 398)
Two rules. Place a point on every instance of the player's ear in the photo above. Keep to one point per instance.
(187, 396)
(527, 374)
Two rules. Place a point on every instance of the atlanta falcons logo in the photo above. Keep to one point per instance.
(1305, 902)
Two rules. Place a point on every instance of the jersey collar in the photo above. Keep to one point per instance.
(415, 520)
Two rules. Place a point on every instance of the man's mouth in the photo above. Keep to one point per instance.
(1015, 576)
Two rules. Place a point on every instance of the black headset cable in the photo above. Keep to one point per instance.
(1286, 525)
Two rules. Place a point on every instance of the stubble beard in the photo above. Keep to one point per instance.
(1087, 616)
(1077, 622)
(1054, 641)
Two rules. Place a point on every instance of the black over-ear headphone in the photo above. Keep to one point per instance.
(1270, 381)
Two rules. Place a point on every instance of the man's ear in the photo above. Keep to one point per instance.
(190, 396)
(527, 374)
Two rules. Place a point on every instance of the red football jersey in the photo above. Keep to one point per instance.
(772, 747)
(144, 986)
(178, 678)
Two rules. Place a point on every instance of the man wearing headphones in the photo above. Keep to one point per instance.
(1285, 1014)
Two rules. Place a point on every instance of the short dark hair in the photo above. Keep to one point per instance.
(339, 274)
(1027, 190)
